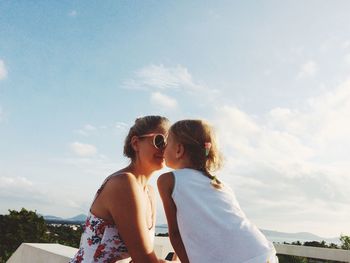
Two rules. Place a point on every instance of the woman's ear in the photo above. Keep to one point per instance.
(134, 143)
(180, 151)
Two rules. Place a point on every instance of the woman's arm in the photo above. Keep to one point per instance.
(123, 199)
(166, 184)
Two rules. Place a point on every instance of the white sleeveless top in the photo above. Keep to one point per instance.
(212, 225)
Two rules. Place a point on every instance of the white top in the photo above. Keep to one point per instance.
(212, 225)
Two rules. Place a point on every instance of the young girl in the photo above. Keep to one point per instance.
(205, 221)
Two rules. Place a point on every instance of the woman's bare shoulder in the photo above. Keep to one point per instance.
(122, 181)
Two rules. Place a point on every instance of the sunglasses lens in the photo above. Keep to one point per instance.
(159, 141)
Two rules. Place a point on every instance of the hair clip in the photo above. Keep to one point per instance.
(207, 146)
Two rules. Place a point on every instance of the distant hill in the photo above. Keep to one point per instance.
(301, 236)
(276, 236)
(48, 217)
(162, 226)
(79, 219)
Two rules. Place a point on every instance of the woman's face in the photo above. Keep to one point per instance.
(149, 155)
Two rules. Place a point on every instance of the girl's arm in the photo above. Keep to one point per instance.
(123, 199)
(166, 184)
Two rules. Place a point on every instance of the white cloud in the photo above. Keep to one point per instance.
(345, 44)
(291, 161)
(98, 166)
(89, 129)
(164, 78)
(297, 51)
(267, 72)
(159, 79)
(19, 189)
(3, 70)
(347, 58)
(257, 142)
(19, 192)
(83, 150)
(20, 182)
(121, 126)
(308, 69)
(86, 130)
(163, 100)
(73, 13)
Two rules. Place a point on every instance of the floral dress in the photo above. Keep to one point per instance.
(101, 241)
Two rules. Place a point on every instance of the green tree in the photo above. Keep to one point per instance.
(315, 244)
(332, 245)
(19, 227)
(345, 242)
(64, 234)
(291, 259)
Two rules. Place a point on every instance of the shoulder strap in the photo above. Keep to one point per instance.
(103, 185)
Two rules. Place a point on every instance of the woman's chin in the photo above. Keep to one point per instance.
(169, 165)
(160, 164)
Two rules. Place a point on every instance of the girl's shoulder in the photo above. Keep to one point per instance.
(165, 177)
(166, 181)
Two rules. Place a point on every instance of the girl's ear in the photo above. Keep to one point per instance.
(180, 151)
(134, 143)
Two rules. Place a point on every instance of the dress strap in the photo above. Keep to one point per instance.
(103, 185)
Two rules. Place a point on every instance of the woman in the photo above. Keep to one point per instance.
(121, 220)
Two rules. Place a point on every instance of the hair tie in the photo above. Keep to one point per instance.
(207, 146)
(216, 182)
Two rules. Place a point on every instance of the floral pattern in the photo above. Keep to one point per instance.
(100, 242)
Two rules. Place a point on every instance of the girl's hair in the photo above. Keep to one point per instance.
(143, 125)
(199, 142)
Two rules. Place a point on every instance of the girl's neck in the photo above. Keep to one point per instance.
(184, 163)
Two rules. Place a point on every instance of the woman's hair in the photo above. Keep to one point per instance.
(143, 125)
(200, 145)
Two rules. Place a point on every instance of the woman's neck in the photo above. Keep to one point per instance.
(141, 174)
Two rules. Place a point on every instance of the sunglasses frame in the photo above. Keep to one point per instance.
(154, 135)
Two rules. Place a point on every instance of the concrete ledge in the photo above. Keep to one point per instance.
(56, 253)
(42, 253)
(314, 252)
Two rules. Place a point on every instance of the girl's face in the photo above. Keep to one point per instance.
(170, 153)
(151, 156)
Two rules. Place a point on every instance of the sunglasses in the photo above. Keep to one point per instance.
(159, 140)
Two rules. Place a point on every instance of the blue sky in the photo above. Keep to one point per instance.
(272, 77)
